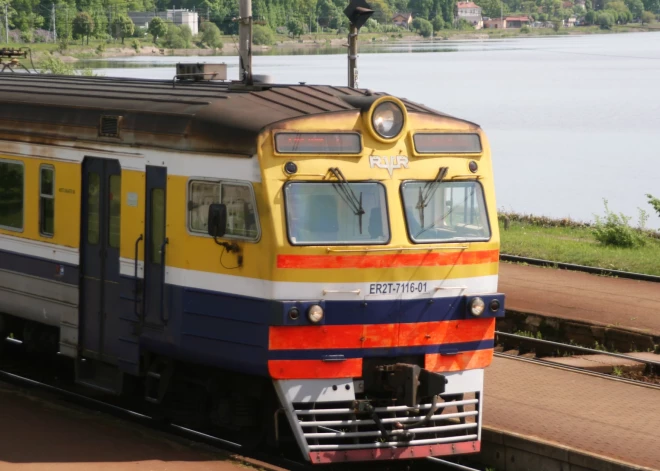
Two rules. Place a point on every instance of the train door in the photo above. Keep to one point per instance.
(155, 254)
(99, 252)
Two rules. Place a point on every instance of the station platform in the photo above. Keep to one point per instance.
(43, 433)
(603, 301)
(591, 415)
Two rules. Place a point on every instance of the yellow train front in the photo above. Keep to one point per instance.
(387, 254)
(215, 244)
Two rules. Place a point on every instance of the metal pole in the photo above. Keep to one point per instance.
(352, 57)
(6, 25)
(245, 41)
(54, 25)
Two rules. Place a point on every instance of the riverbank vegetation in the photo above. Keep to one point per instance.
(610, 242)
(41, 21)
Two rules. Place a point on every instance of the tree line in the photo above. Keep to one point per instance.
(103, 18)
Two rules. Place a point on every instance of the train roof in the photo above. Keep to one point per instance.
(194, 116)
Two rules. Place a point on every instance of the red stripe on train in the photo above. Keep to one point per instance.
(440, 363)
(429, 259)
(379, 335)
(314, 369)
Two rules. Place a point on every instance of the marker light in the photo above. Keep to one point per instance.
(477, 306)
(387, 119)
(315, 314)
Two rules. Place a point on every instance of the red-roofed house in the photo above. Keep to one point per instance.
(403, 20)
(470, 12)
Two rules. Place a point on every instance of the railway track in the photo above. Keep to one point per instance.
(25, 375)
(563, 347)
(581, 268)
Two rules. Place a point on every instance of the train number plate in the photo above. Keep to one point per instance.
(398, 288)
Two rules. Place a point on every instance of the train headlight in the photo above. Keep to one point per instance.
(477, 306)
(387, 119)
(315, 313)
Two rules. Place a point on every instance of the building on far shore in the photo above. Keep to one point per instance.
(507, 22)
(403, 20)
(470, 12)
(178, 17)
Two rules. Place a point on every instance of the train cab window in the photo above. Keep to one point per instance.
(11, 195)
(47, 201)
(445, 211)
(114, 227)
(336, 213)
(242, 220)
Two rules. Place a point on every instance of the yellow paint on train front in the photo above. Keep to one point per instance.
(199, 252)
(67, 201)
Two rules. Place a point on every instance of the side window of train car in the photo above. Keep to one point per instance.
(47, 201)
(12, 188)
(242, 219)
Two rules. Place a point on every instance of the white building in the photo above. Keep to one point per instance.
(178, 17)
(470, 12)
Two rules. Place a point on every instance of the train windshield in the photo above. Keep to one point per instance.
(336, 213)
(445, 211)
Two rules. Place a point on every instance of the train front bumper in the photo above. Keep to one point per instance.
(333, 421)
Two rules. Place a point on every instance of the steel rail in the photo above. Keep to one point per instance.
(578, 348)
(580, 268)
(577, 369)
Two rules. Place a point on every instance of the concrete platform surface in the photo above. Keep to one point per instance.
(599, 363)
(38, 434)
(626, 304)
(589, 413)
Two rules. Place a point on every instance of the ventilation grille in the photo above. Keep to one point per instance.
(109, 126)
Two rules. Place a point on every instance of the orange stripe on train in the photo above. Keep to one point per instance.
(429, 259)
(314, 369)
(440, 363)
(379, 335)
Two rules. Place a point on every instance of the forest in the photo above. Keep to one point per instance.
(30, 19)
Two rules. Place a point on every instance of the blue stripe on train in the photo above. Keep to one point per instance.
(447, 349)
(39, 267)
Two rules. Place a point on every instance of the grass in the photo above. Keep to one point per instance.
(578, 245)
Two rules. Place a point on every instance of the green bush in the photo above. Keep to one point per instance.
(262, 35)
(135, 44)
(425, 28)
(655, 202)
(53, 65)
(211, 35)
(614, 229)
(525, 29)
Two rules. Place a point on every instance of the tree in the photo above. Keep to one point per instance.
(122, 26)
(262, 35)
(438, 23)
(648, 17)
(211, 34)
(83, 26)
(636, 7)
(157, 28)
(652, 5)
(295, 27)
(421, 8)
(605, 20)
(492, 8)
(591, 17)
(655, 202)
(425, 28)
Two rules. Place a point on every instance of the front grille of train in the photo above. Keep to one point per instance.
(335, 426)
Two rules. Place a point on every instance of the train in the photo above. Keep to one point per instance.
(303, 264)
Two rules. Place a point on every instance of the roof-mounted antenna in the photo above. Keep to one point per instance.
(358, 12)
(245, 42)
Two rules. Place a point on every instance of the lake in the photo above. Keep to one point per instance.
(571, 119)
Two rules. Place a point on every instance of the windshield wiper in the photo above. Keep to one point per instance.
(346, 193)
(427, 193)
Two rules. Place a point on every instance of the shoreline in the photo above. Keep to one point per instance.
(286, 46)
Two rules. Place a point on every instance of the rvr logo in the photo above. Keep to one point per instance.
(389, 163)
